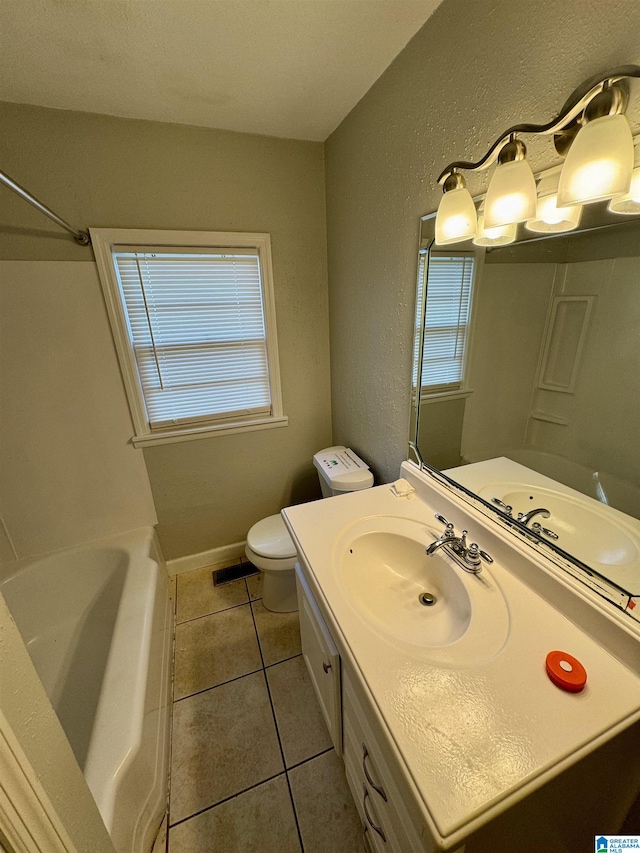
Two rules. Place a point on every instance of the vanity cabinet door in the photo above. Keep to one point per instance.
(322, 659)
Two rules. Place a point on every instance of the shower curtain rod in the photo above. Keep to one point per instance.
(81, 237)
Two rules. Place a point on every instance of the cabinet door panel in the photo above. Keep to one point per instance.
(322, 660)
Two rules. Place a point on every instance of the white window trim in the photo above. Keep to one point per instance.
(103, 240)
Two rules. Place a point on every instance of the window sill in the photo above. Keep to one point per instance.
(437, 396)
(191, 433)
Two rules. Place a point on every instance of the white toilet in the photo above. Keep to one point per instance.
(269, 546)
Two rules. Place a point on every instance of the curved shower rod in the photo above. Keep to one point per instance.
(81, 237)
(575, 104)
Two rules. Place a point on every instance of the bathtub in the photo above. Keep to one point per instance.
(98, 626)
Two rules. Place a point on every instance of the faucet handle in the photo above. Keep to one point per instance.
(476, 553)
(448, 526)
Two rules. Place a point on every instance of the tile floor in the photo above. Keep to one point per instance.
(252, 764)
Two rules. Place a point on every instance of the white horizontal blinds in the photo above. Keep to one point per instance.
(450, 281)
(196, 322)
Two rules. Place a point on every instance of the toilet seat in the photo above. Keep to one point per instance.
(270, 539)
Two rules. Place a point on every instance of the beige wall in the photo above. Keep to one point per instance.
(473, 70)
(100, 171)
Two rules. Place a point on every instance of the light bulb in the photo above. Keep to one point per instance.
(599, 163)
(456, 216)
(550, 218)
(630, 202)
(511, 196)
(501, 236)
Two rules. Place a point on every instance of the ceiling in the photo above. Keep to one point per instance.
(289, 68)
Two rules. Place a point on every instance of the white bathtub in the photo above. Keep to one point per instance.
(98, 626)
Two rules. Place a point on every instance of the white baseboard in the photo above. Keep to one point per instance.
(206, 558)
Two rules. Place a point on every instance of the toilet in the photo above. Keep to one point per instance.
(269, 545)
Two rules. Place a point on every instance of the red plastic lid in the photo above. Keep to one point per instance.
(566, 671)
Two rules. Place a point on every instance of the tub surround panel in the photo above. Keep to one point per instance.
(429, 107)
(101, 171)
(69, 472)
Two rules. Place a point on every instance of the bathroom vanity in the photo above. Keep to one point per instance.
(434, 685)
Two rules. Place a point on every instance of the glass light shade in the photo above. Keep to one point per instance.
(501, 236)
(629, 203)
(511, 196)
(456, 217)
(551, 219)
(599, 162)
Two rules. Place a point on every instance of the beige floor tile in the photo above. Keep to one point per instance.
(279, 633)
(197, 596)
(303, 731)
(224, 741)
(214, 649)
(328, 819)
(254, 585)
(259, 821)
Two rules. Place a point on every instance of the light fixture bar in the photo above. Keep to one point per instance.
(574, 106)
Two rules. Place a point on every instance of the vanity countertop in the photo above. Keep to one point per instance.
(475, 732)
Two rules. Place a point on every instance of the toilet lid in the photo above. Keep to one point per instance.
(270, 538)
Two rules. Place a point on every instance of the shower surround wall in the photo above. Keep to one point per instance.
(474, 69)
(109, 172)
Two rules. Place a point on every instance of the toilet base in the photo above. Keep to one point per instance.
(279, 591)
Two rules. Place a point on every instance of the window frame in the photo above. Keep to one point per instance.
(432, 393)
(103, 241)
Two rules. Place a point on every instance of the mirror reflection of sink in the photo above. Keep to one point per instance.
(597, 538)
(386, 573)
(382, 569)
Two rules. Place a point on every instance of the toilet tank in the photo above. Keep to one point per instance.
(340, 470)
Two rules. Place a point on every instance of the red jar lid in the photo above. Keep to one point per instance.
(566, 671)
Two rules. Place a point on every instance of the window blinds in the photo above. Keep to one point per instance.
(450, 280)
(197, 326)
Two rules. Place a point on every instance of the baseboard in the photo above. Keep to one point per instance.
(206, 558)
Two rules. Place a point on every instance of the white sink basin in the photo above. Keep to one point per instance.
(382, 569)
(386, 573)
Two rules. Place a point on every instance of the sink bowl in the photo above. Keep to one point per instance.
(585, 529)
(380, 565)
(387, 573)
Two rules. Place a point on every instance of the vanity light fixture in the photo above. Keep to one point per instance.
(549, 218)
(593, 134)
(456, 217)
(511, 197)
(600, 160)
(629, 203)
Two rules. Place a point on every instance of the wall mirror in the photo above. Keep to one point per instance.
(526, 389)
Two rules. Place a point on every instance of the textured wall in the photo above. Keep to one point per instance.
(107, 172)
(474, 69)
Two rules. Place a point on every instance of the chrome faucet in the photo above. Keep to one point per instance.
(525, 517)
(467, 557)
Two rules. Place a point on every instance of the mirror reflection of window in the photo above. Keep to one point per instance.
(447, 319)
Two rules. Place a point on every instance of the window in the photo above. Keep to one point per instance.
(448, 285)
(194, 324)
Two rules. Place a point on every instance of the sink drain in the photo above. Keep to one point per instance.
(427, 599)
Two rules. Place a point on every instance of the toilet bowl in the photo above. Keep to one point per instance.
(269, 545)
(271, 549)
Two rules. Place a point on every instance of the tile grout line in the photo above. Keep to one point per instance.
(275, 722)
(221, 684)
(225, 800)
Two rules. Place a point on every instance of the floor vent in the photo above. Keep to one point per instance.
(234, 573)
